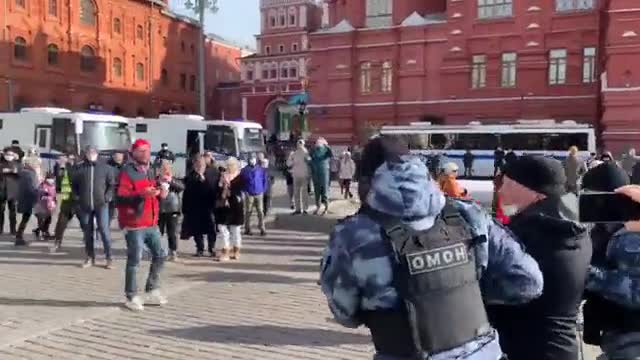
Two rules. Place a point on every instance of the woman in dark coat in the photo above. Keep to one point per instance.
(9, 170)
(198, 205)
(28, 182)
(230, 212)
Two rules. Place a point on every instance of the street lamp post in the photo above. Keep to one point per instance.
(201, 6)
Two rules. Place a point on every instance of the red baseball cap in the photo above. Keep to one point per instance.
(138, 143)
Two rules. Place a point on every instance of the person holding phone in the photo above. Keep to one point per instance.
(616, 282)
(545, 219)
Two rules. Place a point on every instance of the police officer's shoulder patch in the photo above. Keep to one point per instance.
(438, 259)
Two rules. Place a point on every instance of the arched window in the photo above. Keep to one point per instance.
(52, 54)
(87, 59)
(284, 71)
(53, 7)
(272, 18)
(164, 77)
(87, 12)
(365, 77)
(117, 67)
(117, 26)
(140, 72)
(20, 48)
(387, 77)
(292, 16)
(139, 32)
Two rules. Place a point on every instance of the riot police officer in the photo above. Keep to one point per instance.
(415, 267)
(164, 154)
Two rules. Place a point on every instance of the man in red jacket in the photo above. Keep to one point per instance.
(138, 208)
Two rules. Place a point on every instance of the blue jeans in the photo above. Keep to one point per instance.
(136, 240)
(101, 215)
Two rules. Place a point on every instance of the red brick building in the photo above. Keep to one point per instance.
(123, 56)
(392, 61)
(276, 73)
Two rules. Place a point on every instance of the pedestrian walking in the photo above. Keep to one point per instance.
(448, 181)
(63, 172)
(138, 197)
(498, 160)
(299, 163)
(45, 206)
(198, 205)
(9, 170)
(254, 185)
(116, 162)
(321, 156)
(629, 161)
(415, 307)
(230, 212)
(347, 170)
(267, 198)
(574, 169)
(467, 160)
(546, 222)
(93, 188)
(28, 182)
(164, 154)
(169, 207)
(288, 178)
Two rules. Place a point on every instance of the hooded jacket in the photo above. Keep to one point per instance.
(357, 264)
(545, 329)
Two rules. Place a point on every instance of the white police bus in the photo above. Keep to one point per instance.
(533, 137)
(54, 131)
(234, 138)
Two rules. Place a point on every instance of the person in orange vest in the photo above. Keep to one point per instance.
(449, 183)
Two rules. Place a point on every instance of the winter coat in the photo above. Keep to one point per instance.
(171, 203)
(299, 163)
(254, 180)
(198, 204)
(347, 169)
(46, 199)
(135, 209)
(450, 186)
(230, 207)
(320, 158)
(574, 168)
(9, 171)
(628, 163)
(93, 185)
(545, 328)
(27, 190)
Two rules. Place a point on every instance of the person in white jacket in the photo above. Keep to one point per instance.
(347, 170)
(299, 163)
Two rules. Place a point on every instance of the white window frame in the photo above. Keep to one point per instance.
(509, 69)
(379, 13)
(495, 9)
(589, 62)
(478, 71)
(281, 49)
(575, 5)
(365, 78)
(557, 66)
(295, 47)
(292, 11)
(267, 49)
(387, 77)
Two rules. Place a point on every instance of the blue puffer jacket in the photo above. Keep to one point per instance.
(254, 179)
(357, 268)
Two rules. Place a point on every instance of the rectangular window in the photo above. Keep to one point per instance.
(250, 75)
(267, 50)
(509, 69)
(192, 83)
(284, 73)
(488, 9)
(294, 47)
(281, 49)
(265, 74)
(479, 71)
(53, 7)
(20, 3)
(274, 74)
(379, 13)
(589, 65)
(557, 66)
(365, 78)
(183, 81)
(574, 5)
(141, 128)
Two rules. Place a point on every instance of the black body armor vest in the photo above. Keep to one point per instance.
(436, 278)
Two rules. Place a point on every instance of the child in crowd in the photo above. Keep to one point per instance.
(45, 206)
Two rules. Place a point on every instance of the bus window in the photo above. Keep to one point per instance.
(476, 142)
(440, 141)
(63, 136)
(562, 142)
(418, 141)
(253, 140)
(522, 141)
(221, 139)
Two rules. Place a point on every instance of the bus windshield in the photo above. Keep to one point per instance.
(105, 135)
(221, 139)
(253, 140)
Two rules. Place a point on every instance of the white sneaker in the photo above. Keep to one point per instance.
(135, 304)
(155, 297)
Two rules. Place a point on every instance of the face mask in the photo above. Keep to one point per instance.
(50, 181)
(252, 162)
(165, 148)
(510, 210)
(92, 157)
(9, 157)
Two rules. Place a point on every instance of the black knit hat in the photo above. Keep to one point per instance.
(381, 149)
(605, 177)
(538, 173)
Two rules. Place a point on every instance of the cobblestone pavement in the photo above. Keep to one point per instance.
(265, 306)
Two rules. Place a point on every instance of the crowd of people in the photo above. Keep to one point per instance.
(439, 277)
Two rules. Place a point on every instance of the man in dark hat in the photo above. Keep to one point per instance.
(164, 154)
(545, 219)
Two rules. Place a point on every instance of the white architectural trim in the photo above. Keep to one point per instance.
(244, 108)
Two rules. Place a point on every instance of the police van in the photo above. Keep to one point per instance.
(187, 135)
(53, 131)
